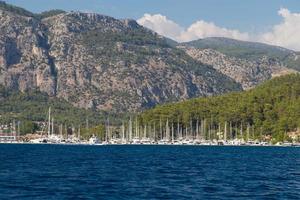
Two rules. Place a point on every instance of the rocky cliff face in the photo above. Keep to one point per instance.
(246, 72)
(24, 59)
(100, 62)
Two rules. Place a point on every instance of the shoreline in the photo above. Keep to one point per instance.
(175, 145)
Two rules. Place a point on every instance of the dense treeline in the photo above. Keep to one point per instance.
(270, 109)
(32, 107)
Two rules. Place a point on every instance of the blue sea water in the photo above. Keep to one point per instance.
(148, 172)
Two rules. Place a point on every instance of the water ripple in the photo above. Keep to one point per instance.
(148, 172)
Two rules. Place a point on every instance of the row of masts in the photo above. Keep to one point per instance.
(171, 131)
(198, 129)
(62, 129)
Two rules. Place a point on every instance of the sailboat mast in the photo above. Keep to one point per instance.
(160, 128)
(191, 127)
(204, 129)
(248, 132)
(172, 132)
(180, 132)
(225, 131)
(49, 121)
(167, 130)
(136, 127)
(79, 133)
(52, 126)
(61, 131)
(106, 132)
(154, 131)
(197, 129)
(18, 134)
(241, 130)
(178, 128)
(130, 129)
(87, 125)
(186, 134)
(230, 133)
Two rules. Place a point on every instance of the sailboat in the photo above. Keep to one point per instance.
(54, 139)
(145, 139)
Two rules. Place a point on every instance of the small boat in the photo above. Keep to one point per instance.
(163, 141)
(94, 140)
(145, 141)
(136, 140)
(36, 141)
(287, 144)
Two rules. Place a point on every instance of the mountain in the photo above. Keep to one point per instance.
(249, 73)
(240, 49)
(95, 61)
(248, 50)
(248, 63)
(272, 108)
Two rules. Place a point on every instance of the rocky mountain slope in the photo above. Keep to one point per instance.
(247, 72)
(252, 51)
(95, 61)
(238, 48)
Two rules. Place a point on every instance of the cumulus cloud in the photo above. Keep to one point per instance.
(161, 25)
(202, 29)
(285, 34)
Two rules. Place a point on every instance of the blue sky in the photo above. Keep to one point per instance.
(242, 19)
(245, 15)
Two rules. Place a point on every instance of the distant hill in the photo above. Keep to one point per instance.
(248, 50)
(240, 49)
(249, 73)
(272, 108)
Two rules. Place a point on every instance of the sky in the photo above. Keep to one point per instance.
(274, 22)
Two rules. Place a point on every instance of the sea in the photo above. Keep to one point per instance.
(44, 171)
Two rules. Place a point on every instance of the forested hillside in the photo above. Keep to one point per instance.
(33, 106)
(270, 109)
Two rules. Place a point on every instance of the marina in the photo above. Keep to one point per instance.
(198, 133)
(95, 141)
(132, 132)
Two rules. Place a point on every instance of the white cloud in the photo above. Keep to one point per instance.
(199, 29)
(285, 34)
(202, 29)
(161, 25)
